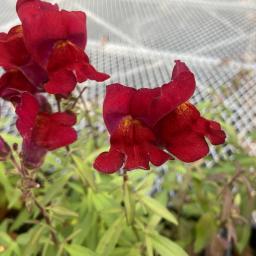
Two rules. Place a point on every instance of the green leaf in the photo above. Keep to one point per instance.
(35, 235)
(110, 237)
(205, 229)
(166, 247)
(62, 211)
(158, 208)
(149, 246)
(78, 250)
(129, 203)
(84, 172)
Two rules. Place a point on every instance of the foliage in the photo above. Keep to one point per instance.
(155, 212)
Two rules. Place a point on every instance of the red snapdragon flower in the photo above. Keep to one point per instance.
(22, 74)
(144, 123)
(57, 39)
(42, 130)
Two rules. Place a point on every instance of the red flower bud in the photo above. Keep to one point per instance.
(4, 149)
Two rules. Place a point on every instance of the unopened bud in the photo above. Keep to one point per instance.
(15, 146)
(4, 149)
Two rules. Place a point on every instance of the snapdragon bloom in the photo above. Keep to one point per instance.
(155, 125)
(57, 39)
(22, 74)
(41, 130)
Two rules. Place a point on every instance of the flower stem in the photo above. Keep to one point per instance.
(125, 180)
(48, 221)
(78, 97)
(89, 120)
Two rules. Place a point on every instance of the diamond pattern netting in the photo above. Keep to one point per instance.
(136, 41)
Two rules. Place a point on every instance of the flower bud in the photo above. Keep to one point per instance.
(4, 149)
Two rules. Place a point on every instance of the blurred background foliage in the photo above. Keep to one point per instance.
(205, 211)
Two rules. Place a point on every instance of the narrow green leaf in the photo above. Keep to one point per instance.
(149, 246)
(78, 250)
(158, 208)
(62, 211)
(166, 247)
(205, 229)
(85, 174)
(128, 203)
(110, 238)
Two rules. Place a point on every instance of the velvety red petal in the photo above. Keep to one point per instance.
(13, 52)
(35, 74)
(212, 130)
(215, 134)
(116, 104)
(151, 105)
(157, 156)
(183, 117)
(65, 55)
(183, 133)
(67, 119)
(109, 162)
(187, 146)
(87, 71)
(26, 111)
(51, 132)
(137, 158)
(172, 95)
(34, 5)
(179, 68)
(61, 82)
(141, 102)
(138, 143)
(13, 84)
(70, 57)
(37, 17)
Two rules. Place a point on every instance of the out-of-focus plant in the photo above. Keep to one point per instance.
(95, 214)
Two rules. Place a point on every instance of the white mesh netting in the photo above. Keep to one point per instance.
(137, 41)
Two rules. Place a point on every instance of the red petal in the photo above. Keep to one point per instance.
(26, 111)
(158, 156)
(179, 68)
(137, 142)
(116, 104)
(141, 102)
(137, 158)
(187, 146)
(182, 132)
(13, 84)
(212, 130)
(54, 131)
(70, 57)
(109, 162)
(35, 74)
(13, 52)
(62, 82)
(215, 134)
(87, 71)
(65, 55)
(172, 95)
(66, 119)
(151, 105)
(37, 17)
